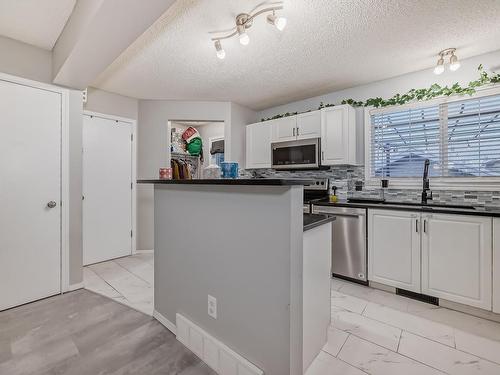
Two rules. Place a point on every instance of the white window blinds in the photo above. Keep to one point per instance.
(461, 139)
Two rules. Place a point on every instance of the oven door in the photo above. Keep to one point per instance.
(303, 154)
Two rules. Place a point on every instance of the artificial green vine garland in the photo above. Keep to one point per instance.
(432, 92)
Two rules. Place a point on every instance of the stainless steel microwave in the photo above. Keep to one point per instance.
(301, 154)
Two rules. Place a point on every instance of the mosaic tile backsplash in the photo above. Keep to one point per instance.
(345, 177)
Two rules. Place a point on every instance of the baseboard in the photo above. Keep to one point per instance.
(76, 286)
(165, 322)
(214, 353)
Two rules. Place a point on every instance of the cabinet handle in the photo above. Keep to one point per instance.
(294, 132)
(425, 225)
(416, 225)
(322, 155)
(297, 132)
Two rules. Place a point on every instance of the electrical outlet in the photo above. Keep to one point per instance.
(212, 306)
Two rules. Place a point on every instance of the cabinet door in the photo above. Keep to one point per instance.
(334, 135)
(284, 129)
(496, 265)
(456, 258)
(394, 248)
(258, 145)
(309, 125)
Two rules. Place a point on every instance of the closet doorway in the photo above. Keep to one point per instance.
(108, 187)
(189, 152)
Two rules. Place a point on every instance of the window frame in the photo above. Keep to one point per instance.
(450, 183)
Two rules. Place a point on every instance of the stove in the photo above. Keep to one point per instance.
(318, 189)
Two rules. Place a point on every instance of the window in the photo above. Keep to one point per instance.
(460, 138)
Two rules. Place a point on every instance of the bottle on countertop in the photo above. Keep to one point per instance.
(333, 197)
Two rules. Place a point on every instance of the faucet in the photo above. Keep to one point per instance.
(425, 183)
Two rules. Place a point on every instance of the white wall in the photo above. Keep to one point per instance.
(24, 60)
(389, 87)
(111, 104)
(207, 131)
(153, 145)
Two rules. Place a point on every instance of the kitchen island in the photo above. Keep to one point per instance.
(236, 277)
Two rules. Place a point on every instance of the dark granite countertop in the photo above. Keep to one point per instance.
(429, 208)
(315, 220)
(235, 181)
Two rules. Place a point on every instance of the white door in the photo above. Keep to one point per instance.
(30, 178)
(258, 145)
(394, 249)
(284, 129)
(334, 136)
(456, 258)
(309, 125)
(107, 189)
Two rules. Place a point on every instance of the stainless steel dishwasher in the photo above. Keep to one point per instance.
(349, 248)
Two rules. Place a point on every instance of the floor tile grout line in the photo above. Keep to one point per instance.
(132, 273)
(106, 282)
(399, 341)
(347, 363)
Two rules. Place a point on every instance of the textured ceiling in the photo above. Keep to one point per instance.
(327, 45)
(36, 22)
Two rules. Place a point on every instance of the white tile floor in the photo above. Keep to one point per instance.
(127, 280)
(372, 332)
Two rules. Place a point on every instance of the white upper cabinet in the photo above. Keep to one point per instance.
(338, 136)
(302, 126)
(456, 258)
(496, 265)
(258, 145)
(284, 129)
(394, 249)
(309, 125)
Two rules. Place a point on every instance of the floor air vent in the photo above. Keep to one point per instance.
(419, 297)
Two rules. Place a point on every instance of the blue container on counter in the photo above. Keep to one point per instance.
(229, 169)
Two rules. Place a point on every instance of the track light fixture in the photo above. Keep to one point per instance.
(244, 21)
(454, 64)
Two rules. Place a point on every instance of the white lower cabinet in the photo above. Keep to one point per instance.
(496, 265)
(445, 256)
(456, 258)
(394, 249)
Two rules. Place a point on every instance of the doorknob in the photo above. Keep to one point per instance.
(51, 204)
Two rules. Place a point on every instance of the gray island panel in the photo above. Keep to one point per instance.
(242, 245)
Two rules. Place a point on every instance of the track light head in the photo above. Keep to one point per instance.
(454, 63)
(221, 54)
(439, 69)
(278, 21)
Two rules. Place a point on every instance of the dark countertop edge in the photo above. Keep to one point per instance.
(478, 211)
(235, 181)
(319, 219)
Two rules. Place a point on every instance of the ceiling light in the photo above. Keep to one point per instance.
(244, 38)
(439, 67)
(279, 22)
(244, 21)
(221, 54)
(454, 63)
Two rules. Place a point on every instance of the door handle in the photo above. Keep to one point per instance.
(51, 204)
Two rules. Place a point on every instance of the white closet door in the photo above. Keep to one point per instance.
(30, 178)
(107, 178)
